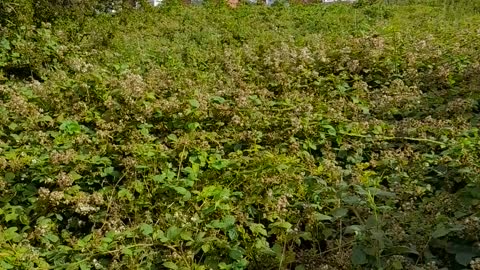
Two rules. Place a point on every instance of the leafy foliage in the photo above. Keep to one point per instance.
(308, 137)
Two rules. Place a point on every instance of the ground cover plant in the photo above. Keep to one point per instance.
(303, 137)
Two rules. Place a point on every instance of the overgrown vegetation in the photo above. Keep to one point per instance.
(307, 137)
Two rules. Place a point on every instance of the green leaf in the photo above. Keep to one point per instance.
(183, 191)
(125, 193)
(11, 216)
(223, 265)
(84, 241)
(236, 254)
(146, 229)
(463, 253)
(186, 235)
(229, 220)
(464, 258)
(180, 190)
(352, 200)
(170, 265)
(232, 234)
(108, 237)
(5, 44)
(172, 137)
(52, 237)
(205, 248)
(138, 186)
(9, 177)
(312, 145)
(402, 250)
(84, 266)
(194, 103)
(70, 127)
(381, 193)
(24, 219)
(339, 212)
(321, 217)
(330, 130)
(442, 230)
(225, 223)
(173, 233)
(11, 234)
(281, 224)
(159, 178)
(193, 126)
(218, 100)
(127, 251)
(258, 229)
(5, 265)
(74, 175)
(358, 256)
(160, 235)
(220, 164)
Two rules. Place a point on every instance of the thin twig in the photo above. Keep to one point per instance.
(340, 246)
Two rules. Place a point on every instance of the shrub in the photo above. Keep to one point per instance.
(308, 137)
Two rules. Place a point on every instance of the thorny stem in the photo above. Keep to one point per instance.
(345, 244)
(387, 138)
(283, 255)
(180, 163)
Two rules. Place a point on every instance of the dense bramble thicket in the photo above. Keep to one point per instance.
(319, 137)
